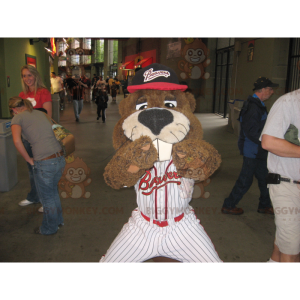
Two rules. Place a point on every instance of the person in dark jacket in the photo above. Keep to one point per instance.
(101, 101)
(95, 90)
(69, 83)
(252, 119)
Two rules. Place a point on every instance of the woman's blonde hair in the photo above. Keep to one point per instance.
(38, 84)
(19, 102)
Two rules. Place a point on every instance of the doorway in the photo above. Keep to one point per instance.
(222, 84)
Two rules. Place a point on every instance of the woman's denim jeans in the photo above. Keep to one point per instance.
(47, 174)
(32, 196)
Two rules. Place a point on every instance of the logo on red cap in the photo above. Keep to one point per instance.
(150, 75)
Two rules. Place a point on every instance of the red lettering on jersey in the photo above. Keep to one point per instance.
(145, 180)
(157, 182)
(176, 176)
(170, 175)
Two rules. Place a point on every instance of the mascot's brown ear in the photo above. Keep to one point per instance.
(122, 106)
(191, 100)
(127, 105)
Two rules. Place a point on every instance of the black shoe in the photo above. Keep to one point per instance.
(77, 120)
(98, 118)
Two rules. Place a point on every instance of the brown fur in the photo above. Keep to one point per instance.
(133, 158)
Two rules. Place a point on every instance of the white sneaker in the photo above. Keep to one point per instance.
(272, 261)
(41, 209)
(25, 202)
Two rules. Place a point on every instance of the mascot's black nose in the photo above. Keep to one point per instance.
(155, 119)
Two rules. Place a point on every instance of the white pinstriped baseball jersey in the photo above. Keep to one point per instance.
(162, 195)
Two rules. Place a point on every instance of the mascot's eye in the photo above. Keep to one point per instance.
(171, 103)
(190, 52)
(80, 172)
(141, 106)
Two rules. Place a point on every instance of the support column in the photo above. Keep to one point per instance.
(106, 59)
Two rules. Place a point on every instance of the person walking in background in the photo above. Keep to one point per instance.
(47, 162)
(87, 89)
(124, 84)
(58, 88)
(107, 85)
(81, 79)
(94, 87)
(114, 90)
(101, 84)
(101, 102)
(69, 83)
(77, 100)
(252, 117)
(110, 82)
(34, 90)
(117, 82)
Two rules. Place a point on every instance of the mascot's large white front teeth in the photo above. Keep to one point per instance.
(164, 149)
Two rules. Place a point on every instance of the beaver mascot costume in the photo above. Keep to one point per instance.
(160, 151)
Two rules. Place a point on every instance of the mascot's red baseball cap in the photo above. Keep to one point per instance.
(155, 77)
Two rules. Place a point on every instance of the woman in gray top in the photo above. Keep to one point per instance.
(48, 161)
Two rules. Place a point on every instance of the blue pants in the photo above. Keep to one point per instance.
(251, 167)
(78, 105)
(47, 174)
(32, 196)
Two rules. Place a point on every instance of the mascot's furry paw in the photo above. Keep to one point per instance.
(196, 159)
(130, 163)
(142, 154)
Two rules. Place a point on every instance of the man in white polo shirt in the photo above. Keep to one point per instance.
(284, 176)
(58, 88)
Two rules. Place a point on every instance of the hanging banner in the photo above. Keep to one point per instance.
(53, 46)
